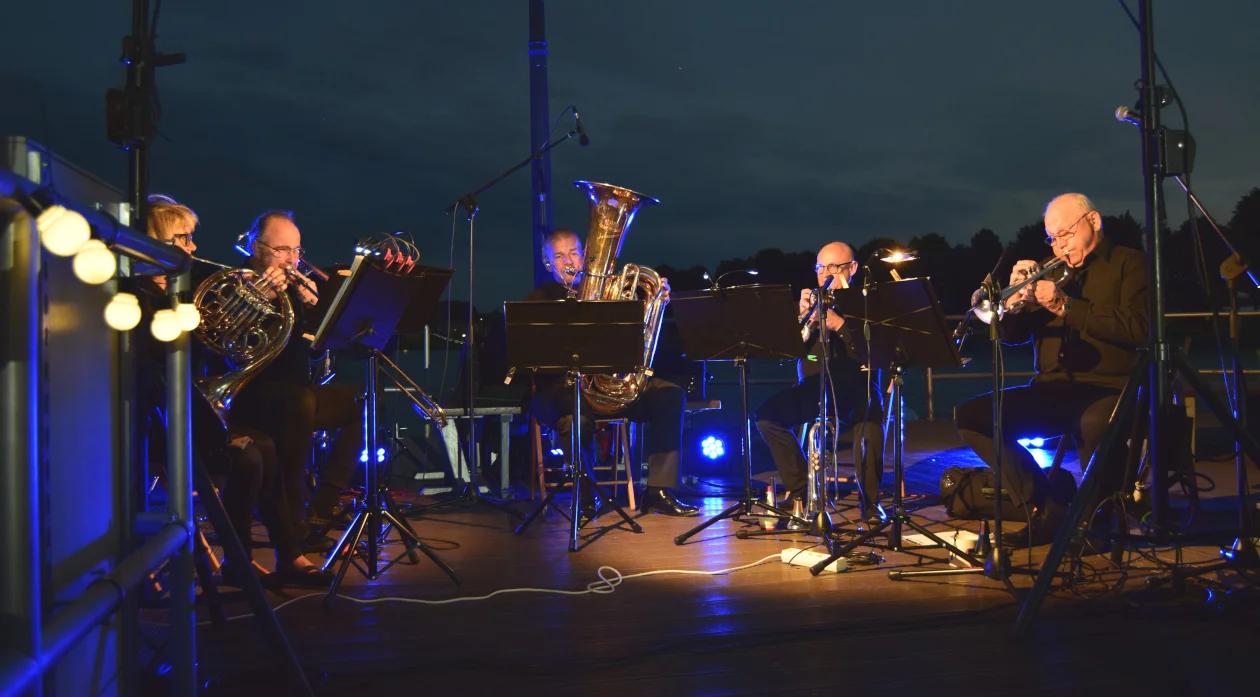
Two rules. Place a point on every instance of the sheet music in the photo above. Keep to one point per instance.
(330, 316)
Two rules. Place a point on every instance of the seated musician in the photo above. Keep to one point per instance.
(848, 397)
(281, 401)
(246, 457)
(1085, 336)
(661, 404)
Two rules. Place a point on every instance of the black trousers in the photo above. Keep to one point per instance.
(290, 414)
(660, 406)
(253, 483)
(798, 405)
(1046, 409)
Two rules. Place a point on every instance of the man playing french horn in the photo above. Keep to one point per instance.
(799, 404)
(660, 405)
(280, 400)
(1085, 331)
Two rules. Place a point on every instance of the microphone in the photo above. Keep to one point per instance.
(1126, 115)
(582, 139)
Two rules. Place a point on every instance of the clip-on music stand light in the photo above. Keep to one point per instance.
(363, 315)
(575, 337)
(902, 325)
(736, 324)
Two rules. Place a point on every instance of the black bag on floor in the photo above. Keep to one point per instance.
(963, 494)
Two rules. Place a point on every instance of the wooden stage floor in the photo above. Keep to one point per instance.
(771, 629)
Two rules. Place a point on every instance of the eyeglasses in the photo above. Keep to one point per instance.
(181, 239)
(833, 268)
(299, 252)
(1067, 234)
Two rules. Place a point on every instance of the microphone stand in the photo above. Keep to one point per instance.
(468, 202)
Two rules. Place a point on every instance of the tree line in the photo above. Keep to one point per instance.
(1191, 262)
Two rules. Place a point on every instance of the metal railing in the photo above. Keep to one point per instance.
(932, 377)
(36, 643)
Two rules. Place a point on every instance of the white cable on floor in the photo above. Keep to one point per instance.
(607, 583)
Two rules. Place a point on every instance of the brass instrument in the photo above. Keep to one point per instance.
(420, 400)
(240, 322)
(612, 211)
(1054, 269)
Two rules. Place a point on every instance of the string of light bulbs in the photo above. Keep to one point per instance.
(66, 233)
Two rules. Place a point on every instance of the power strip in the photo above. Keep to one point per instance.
(799, 557)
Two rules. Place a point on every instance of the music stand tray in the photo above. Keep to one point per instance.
(905, 325)
(363, 314)
(574, 337)
(736, 324)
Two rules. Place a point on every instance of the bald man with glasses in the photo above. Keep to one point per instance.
(854, 398)
(281, 401)
(1085, 337)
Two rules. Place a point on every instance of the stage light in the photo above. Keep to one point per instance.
(188, 316)
(557, 452)
(1032, 442)
(889, 256)
(94, 263)
(123, 312)
(380, 455)
(165, 325)
(712, 447)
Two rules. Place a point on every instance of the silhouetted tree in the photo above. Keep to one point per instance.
(1124, 230)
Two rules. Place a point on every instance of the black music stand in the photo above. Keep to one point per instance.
(902, 325)
(363, 315)
(736, 324)
(575, 337)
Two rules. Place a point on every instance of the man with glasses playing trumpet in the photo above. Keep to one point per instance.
(281, 401)
(853, 403)
(1085, 330)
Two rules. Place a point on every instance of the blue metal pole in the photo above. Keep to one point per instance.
(539, 126)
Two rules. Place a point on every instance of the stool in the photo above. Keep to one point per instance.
(620, 451)
(620, 457)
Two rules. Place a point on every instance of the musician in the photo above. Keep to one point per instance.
(1085, 336)
(280, 400)
(246, 457)
(660, 405)
(854, 398)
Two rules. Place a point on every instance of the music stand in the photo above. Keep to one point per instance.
(363, 314)
(902, 325)
(574, 337)
(736, 324)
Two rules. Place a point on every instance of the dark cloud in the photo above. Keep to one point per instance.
(756, 124)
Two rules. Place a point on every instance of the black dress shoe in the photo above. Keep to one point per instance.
(591, 504)
(1041, 529)
(656, 499)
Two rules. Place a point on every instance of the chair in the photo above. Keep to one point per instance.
(621, 462)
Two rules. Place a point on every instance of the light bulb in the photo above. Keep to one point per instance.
(62, 231)
(123, 312)
(165, 325)
(187, 316)
(95, 264)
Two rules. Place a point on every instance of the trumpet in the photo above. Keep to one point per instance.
(1054, 269)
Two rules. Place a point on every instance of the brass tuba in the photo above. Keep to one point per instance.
(612, 210)
(240, 322)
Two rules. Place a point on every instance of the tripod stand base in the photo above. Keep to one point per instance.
(898, 519)
(575, 515)
(743, 508)
(471, 496)
(373, 520)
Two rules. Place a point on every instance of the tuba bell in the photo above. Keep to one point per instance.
(240, 322)
(612, 211)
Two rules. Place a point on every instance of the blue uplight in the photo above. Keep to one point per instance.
(712, 447)
(380, 455)
(1032, 442)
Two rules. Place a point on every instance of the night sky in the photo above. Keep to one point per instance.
(757, 124)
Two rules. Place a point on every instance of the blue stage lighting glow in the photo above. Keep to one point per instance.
(380, 455)
(712, 447)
